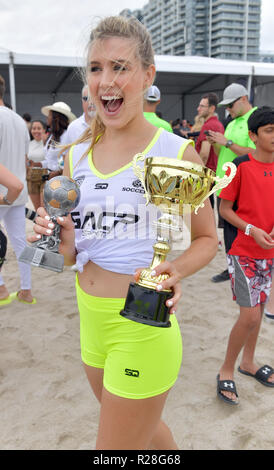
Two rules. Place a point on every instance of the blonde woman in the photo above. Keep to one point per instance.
(102, 246)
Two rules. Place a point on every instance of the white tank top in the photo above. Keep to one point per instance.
(113, 224)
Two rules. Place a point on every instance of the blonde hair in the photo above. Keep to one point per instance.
(198, 123)
(116, 26)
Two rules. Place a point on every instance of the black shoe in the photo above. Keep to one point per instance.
(224, 276)
(269, 317)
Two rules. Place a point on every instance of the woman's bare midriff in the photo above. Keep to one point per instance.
(99, 282)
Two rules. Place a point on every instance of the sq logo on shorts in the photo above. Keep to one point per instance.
(132, 372)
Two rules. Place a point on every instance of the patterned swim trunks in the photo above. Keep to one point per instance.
(250, 278)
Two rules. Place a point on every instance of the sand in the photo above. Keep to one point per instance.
(45, 398)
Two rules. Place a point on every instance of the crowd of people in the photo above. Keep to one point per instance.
(119, 120)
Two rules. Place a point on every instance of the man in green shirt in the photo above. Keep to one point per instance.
(235, 141)
(151, 100)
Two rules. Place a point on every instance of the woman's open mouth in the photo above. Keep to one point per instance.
(111, 104)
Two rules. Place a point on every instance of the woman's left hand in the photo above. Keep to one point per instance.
(173, 282)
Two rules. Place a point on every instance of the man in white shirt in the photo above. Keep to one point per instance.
(78, 126)
(14, 144)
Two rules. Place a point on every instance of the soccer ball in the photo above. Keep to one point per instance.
(61, 195)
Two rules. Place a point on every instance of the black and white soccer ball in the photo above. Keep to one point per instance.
(61, 195)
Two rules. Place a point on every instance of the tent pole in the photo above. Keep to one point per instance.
(249, 81)
(12, 82)
(249, 84)
(183, 105)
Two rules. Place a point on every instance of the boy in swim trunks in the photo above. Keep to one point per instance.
(247, 208)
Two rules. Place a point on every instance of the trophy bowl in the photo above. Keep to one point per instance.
(171, 185)
(176, 187)
(61, 195)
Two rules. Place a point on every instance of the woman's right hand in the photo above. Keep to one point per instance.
(45, 226)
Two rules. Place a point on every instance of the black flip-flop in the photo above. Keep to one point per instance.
(261, 375)
(226, 386)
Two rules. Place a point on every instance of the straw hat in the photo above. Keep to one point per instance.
(59, 107)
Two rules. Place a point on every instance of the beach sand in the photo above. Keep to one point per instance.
(45, 398)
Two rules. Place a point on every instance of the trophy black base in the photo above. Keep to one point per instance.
(42, 258)
(147, 306)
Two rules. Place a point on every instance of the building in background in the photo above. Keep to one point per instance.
(228, 29)
(267, 56)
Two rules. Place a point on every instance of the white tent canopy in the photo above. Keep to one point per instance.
(33, 81)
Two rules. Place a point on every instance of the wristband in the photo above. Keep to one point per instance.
(248, 228)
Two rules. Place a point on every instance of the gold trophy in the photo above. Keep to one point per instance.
(176, 187)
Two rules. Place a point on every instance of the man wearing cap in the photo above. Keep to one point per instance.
(235, 141)
(77, 127)
(151, 100)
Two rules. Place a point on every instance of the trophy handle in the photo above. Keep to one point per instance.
(220, 182)
(139, 172)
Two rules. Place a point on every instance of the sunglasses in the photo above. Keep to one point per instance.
(229, 106)
(84, 98)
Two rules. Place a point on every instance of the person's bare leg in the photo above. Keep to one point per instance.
(95, 377)
(269, 307)
(247, 324)
(270, 304)
(4, 293)
(162, 437)
(128, 423)
(248, 362)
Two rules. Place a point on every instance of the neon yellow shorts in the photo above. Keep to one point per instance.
(139, 361)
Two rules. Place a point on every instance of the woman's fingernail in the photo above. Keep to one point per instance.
(61, 219)
(169, 303)
(159, 287)
(153, 273)
(47, 217)
(50, 225)
(38, 236)
(48, 231)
